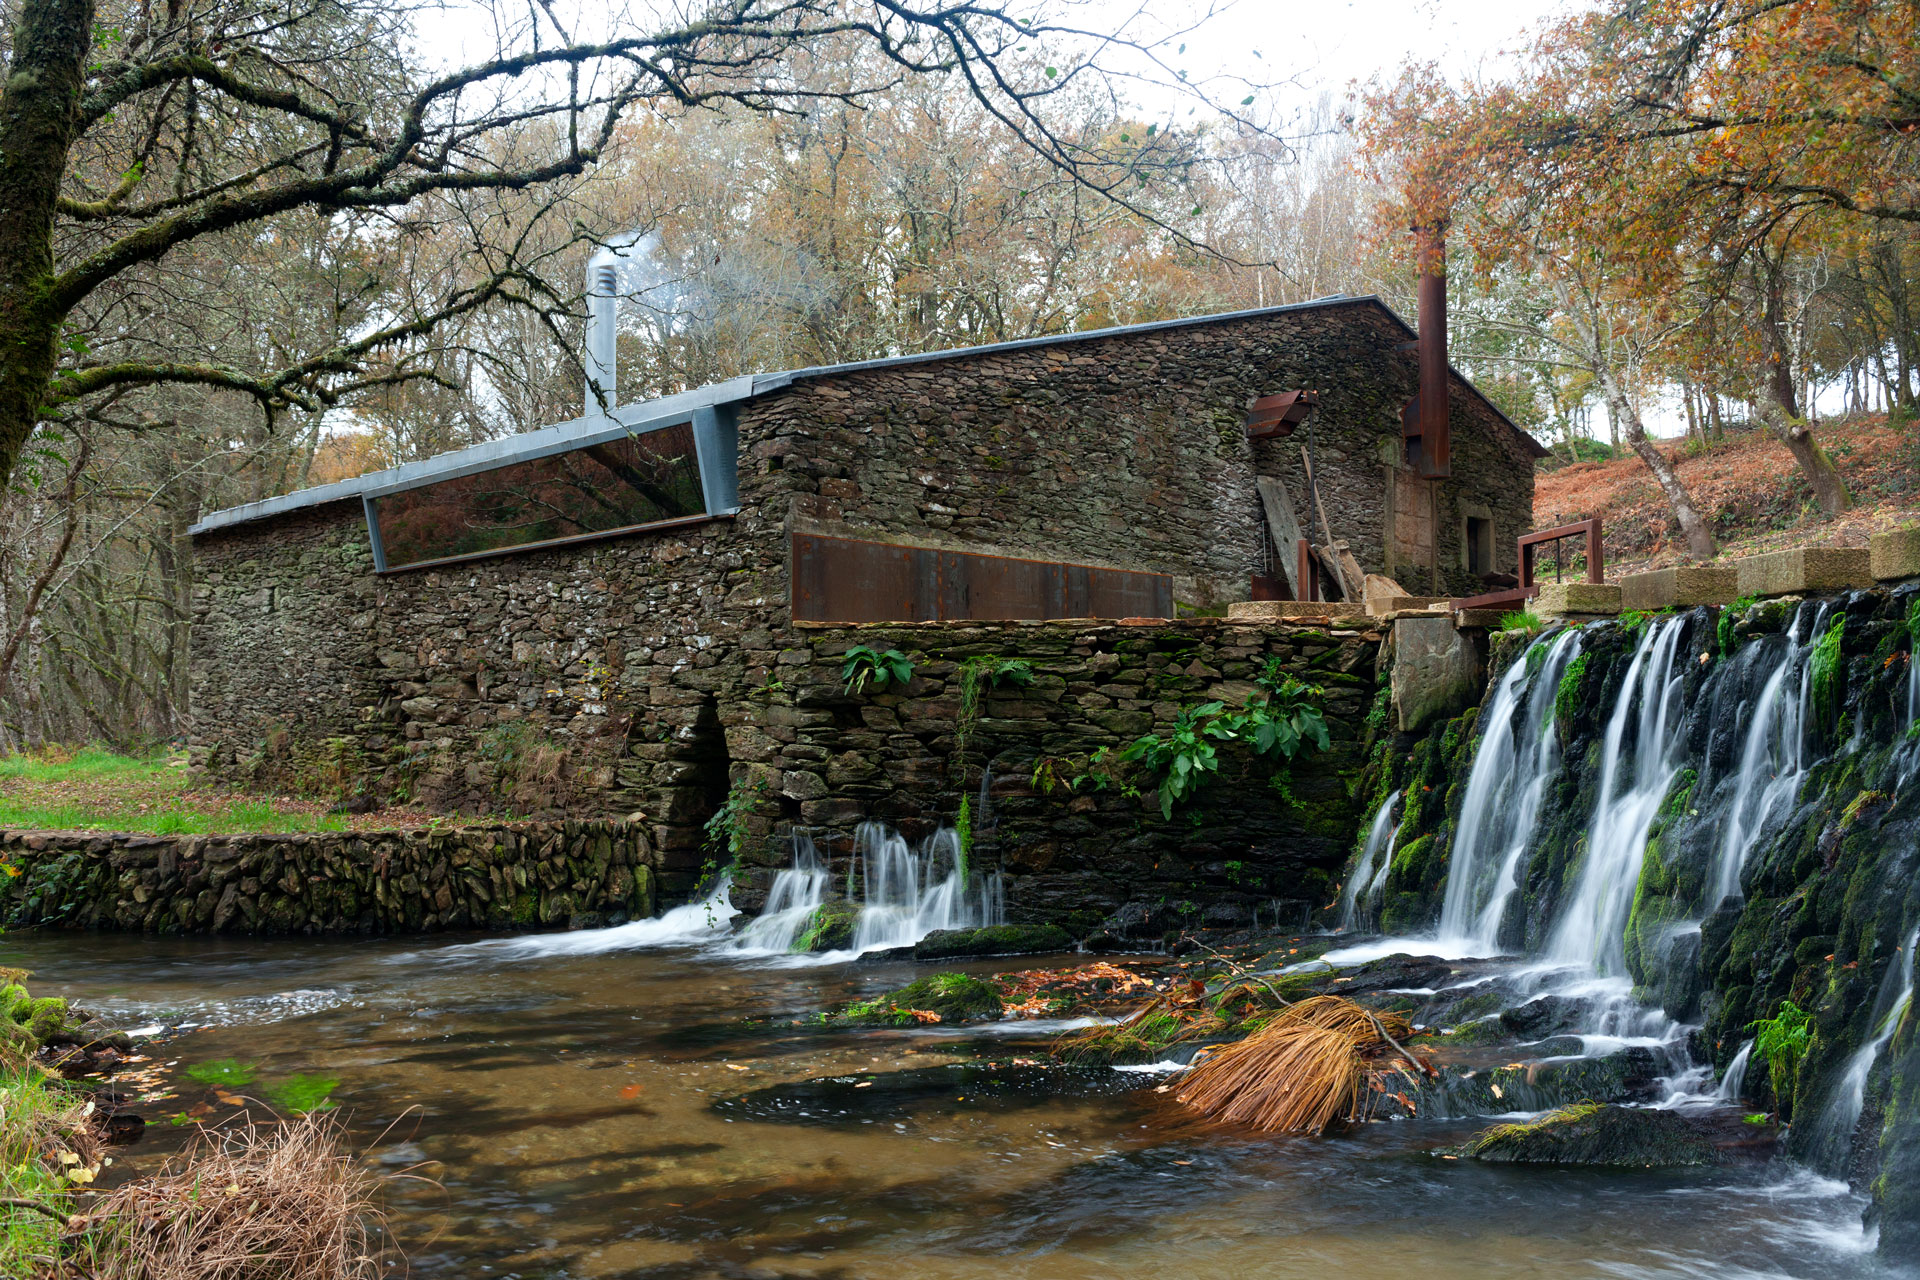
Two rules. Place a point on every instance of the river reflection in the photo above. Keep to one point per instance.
(654, 1111)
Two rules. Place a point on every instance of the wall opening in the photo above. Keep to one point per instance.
(1479, 545)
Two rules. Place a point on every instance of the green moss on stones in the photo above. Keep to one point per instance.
(950, 997)
(1829, 673)
(1590, 1134)
(1566, 698)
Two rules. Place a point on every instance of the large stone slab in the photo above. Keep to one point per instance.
(1805, 570)
(1682, 587)
(1436, 671)
(1277, 610)
(1577, 599)
(1894, 555)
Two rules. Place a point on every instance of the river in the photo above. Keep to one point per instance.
(632, 1103)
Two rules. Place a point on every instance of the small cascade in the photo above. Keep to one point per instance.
(1734, 1082)
(910, 893)
(1519, 754)
(1635, 774)
(797, 893)
(903, 893)
(1837, 1122)
(1369, 876)
(1772, 764)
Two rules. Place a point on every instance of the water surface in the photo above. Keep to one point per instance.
(654, 1111)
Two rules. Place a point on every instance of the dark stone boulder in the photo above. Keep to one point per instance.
(1593, 1134)
(1389, 973)
(1542, 1017)
(993, 940)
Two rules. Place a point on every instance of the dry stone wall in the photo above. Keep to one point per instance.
(1084, 853)
(525, 875)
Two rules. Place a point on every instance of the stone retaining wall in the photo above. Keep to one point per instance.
(580, 874)
(811, 754)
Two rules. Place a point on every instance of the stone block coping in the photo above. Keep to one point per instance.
(1488, 618)
(1681, 587)
(1895, 554)
(1577, 599)
(1805, 571)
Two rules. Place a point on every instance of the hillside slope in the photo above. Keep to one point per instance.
(1749, 490)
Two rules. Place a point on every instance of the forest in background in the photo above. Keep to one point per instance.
(1706, 205)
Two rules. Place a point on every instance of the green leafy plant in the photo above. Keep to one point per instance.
(1782, 1041)
(1522, 620)
(1566, 698)
(863, 665)
(976, 675)
(1277, 719)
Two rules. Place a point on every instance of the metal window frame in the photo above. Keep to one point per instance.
(716, 447)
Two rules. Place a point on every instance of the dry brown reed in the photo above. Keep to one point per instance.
(245, 1202)
(1303, 1071)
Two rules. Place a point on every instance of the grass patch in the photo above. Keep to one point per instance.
(1522, 620)
(92, 789)
(47, 1147)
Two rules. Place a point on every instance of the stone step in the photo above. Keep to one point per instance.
(1682, 587)
(1577, 600)
(1805, 571)
(1894, 555)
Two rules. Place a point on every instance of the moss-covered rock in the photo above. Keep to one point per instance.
(829, 928)
(943, 997)
(993, 940)
(1593, 1134)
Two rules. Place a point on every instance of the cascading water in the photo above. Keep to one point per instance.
(1772, 763)
(905, 893)
(797, 893)
(1842, 1113)
(1519, 754)
(1634, 777)
(1370, 873)
(910, 894)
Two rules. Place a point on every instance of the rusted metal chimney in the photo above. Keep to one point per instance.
(1429, 447)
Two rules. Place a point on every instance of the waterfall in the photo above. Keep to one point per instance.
(1735, 1081)
(1368, 879)
(905, 893)
(1635, 774)
(1842, 1114)
(797, 893)
(1518, 754)
(1772, 764)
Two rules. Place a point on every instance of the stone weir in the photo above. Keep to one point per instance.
(574, 873)
(1013, 733)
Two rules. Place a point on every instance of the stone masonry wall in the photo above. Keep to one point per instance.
(525, 874)
(822, 758)
(1130, 451)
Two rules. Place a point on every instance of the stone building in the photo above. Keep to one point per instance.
(614, 608)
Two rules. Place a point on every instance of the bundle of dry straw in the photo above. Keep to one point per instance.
(1303, 1071)
(272, 1202)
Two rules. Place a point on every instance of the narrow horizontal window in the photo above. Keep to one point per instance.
(626, 483)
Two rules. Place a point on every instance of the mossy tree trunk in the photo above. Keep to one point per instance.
(39, 119)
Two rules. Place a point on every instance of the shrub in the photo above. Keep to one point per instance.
(1782, 1041)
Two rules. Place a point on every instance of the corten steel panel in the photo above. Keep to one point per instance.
(841, 580)
(846, 580)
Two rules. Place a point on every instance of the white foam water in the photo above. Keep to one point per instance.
(1369, 876)
(904, 894)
